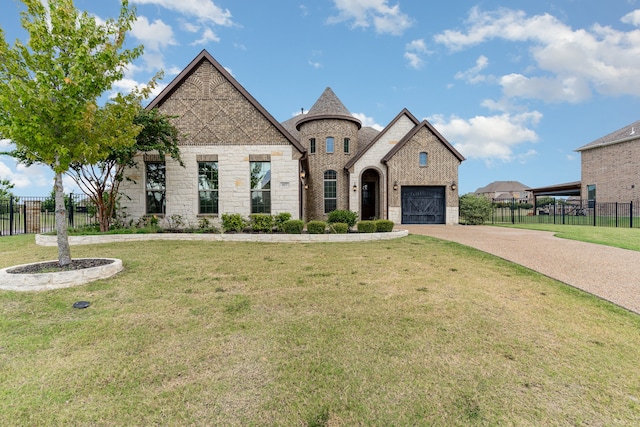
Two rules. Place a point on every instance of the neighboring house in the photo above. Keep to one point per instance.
(611, 166)
(506, 190)
(239, 159)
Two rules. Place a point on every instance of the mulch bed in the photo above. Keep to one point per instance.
(53, 267)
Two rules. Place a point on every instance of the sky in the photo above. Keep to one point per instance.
(515, 86)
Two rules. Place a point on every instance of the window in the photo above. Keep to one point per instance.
(330, 191)
(260, 187)
(156, 180)
(208, 187)
(312, 145)
(423, 159)
(330, 144)
(346, 145)
(591, 195)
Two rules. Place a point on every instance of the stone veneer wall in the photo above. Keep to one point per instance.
(614, 170)
(441, 170)
(321, 161)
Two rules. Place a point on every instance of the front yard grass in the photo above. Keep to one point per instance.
(413, 331)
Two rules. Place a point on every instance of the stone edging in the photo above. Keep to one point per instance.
(49, 240)
(56, 280)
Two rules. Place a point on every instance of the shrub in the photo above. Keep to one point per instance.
(233, 222)
(474, 209)
(348, 217)
(293, 226)
(366, 227)
(280, 219)
(339, 228)
(384, 226)
(316, 227)
(262, 223)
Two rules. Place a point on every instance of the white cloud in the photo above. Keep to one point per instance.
(632, 18)
(154, 36)
(569, 64)
(472, 75)
(414, 51)
(364, 13)
(207, 36)
(367, 121)
(205, 10)
(490, 138)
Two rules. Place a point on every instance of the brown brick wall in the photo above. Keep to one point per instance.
(212, 112)
(441, 170)
(321, 162)
(615, 170)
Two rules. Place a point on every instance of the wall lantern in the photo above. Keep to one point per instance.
(303, 174)
(306, 186)
(355, 187)
(395, 186)
(453, 186)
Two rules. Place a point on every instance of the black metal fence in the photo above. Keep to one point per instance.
(25, 215)
(570, 212)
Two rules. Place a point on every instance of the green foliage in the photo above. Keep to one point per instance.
(348, 217)
(338, 228)
(5, 186)
(366, 226)
(233, 223)
(280, 219)
(262, 223)
(544, 201)
(475, 209)
(316, 227)
(293, 226)
(49, 204)
(175, 222)
(384, 226)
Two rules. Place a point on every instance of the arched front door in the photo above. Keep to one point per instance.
(370, 195)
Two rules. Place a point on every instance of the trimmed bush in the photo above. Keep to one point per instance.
(262, 223)
(384, 226)
(233, 222)
(293, 226)
(348, 217)
(316, 227)
(339, 228)
(280, 219)
(366, 227)
(474, 209)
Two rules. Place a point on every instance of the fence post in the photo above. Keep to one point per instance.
(616, 214)
(70, 207)
(631, 214)
(11, 215)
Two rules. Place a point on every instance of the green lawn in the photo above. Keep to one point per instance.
(626, 238)
(413, 331)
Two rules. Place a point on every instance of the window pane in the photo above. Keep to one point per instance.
(208, 187)
(423, 159)
(346, 145)
(330, 144)
(156, 179)
(260, 187)
(330, 191)
(312, 145)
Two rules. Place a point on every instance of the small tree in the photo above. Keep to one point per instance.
(475, 209)
(5, 187)
(49, 89)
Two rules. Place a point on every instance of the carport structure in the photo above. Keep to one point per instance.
(558, 190)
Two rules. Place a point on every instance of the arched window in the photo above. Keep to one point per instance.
(330, 191)
(423, 159)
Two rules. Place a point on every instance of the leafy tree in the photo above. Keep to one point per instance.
(475, 209)
(50, 86)
(101, 181)
(5, 187)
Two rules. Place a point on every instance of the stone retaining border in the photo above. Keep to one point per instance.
(50, 240)
(56, 280)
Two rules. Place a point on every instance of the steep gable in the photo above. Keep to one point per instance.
(424, 126)
(212, 108)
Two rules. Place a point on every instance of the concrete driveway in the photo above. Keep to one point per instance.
(610, 273)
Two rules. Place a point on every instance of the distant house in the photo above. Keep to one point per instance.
(506, 190)
(611, 166)
(239, 159)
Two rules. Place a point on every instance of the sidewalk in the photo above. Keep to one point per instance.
(607, 272)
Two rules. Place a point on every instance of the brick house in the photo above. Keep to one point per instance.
(239, 159)
(610, 166)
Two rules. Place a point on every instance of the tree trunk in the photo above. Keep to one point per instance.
(64, 251)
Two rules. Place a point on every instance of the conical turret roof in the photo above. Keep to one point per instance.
(328, 106)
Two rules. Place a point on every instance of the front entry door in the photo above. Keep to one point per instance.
(423, 205)
(368, 200)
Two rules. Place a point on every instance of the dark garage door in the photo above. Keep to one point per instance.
(423, 205)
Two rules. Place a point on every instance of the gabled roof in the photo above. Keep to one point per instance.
(206, 56)
(328, 106)
(627, 133)
(502, 186)
(412, 133)
(364, 149)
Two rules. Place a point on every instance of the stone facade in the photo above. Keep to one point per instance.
(220, 121)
